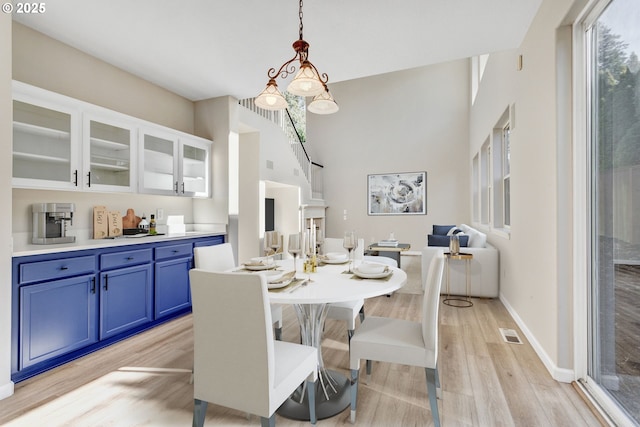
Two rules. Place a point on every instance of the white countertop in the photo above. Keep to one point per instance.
(22, 245)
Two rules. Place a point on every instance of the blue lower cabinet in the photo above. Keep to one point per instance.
(126, 299)
(65, 305)
(57, 317)
(172, 286)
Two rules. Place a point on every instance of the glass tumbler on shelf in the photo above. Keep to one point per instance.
(295, 248)
(350, 243)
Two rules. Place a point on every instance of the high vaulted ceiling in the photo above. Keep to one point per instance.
(207, 48)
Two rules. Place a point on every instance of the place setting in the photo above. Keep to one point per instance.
(371, 270)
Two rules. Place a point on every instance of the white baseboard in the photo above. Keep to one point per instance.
(557, 373)
(6, 390)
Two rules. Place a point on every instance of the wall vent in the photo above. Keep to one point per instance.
(270, 164)
(510, 336)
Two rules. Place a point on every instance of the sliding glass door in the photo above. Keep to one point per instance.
(614, 128)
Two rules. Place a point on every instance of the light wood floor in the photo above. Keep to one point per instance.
(144, 381)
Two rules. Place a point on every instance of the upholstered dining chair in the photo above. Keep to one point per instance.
(402, 341)
(244, 369)
(349, 310)
(221, 258)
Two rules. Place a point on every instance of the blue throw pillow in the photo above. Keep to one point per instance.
(435, 240)
(442, 230)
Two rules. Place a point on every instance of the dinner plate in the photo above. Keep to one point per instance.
(260, 267)
(371, 275)
(334, 261)
(280, 280)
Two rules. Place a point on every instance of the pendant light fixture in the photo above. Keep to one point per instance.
(307, 82)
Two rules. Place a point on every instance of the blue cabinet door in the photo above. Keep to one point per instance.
(57, 317)
(172, 286)
(126, 299)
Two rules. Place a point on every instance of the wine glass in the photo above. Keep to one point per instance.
(350, 243)
(272, 241)
(295, 248)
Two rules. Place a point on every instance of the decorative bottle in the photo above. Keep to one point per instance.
(152, 225)
(143, 225)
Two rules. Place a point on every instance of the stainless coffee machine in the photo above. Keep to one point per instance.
(50, 223)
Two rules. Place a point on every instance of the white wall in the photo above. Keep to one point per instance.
(409, 121)
(529, 260)
(47, 63)
(6, 135)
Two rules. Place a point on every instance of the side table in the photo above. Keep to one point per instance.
(459, 302)
(388, 251)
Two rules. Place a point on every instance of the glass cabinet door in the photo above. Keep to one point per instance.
(159, 163)
(108, 163)
(194, 173)
(44, 146)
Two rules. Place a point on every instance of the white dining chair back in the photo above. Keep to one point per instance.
(215, 257)
(220, 258)
(245, 370)
(431, 305)
(402, 341)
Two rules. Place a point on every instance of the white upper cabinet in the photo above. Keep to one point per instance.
(109, 154)
(173, 164)
(46, 143)
(63, 143)
(194, 167)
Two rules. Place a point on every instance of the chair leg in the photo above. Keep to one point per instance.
(368, 371)
(199, 412)
(354, 393)
(438, 386)
(431, 389)
(278, 333)
(268, 422)
(361, 314)
(311, 393)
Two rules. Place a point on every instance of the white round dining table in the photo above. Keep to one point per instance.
(331, 283)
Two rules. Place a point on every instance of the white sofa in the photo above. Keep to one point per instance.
(483, 268)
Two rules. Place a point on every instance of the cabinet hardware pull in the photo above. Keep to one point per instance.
(183, 188)
(89, 178)
(106, 282)
(64, 268)
(129, 258)
(93, 285)
(175, 251)
(75, 178)
(176, 187)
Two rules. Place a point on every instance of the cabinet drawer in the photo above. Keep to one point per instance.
(173, 251)
(56, 269)
(124, 259)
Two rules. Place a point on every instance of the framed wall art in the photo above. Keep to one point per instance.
(397, 193)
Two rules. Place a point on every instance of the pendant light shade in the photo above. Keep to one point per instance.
(271, 98)
(323, 104)
(307, 82)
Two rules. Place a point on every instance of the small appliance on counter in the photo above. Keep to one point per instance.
(50, 223)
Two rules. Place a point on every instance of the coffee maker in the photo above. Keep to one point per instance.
(50, 223)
